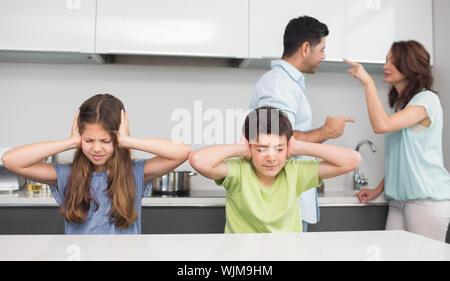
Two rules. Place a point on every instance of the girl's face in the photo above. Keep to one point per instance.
(269, 155)
(97, 145)
(391, 73)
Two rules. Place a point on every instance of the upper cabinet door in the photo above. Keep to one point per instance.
(214, 28)
(47, 25)
(360, 30)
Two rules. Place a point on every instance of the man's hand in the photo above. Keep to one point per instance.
(335, 126)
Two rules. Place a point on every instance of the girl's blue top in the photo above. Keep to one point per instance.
(97, 220)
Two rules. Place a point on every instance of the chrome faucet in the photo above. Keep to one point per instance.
(359, 179)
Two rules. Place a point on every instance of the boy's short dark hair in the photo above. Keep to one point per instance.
(266, 120)
(300, 30)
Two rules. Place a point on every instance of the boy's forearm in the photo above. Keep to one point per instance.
(335, 155)
(161, 147)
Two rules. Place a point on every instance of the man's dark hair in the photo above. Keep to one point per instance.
(300, 30)
(266, 120)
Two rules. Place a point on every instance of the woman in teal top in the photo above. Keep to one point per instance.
(415, 182)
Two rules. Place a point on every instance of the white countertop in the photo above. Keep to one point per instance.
(197, 198)
(364, 245)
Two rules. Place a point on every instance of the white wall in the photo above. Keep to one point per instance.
(441, 69)
(38, 101)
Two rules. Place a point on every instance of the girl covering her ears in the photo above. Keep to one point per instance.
(101, 191)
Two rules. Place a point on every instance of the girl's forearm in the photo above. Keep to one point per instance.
(161, 147)
(29, 154)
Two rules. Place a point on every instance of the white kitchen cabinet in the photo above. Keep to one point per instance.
(213, 28)
(47, 25)
(360, 30)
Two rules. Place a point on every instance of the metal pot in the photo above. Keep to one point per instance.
(173, 183)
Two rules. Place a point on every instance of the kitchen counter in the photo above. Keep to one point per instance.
(199, 198)
(350, 245)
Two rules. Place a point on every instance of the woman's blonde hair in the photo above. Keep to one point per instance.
(103, 109)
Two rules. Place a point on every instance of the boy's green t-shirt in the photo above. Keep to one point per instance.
(251, 207)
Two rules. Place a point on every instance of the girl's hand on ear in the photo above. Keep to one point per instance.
(75, 134)
(124, 129)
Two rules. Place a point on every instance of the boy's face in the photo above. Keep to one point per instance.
(269, 154)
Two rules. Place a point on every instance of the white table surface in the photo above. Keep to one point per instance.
(364, 245)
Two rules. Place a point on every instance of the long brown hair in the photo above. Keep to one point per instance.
(412, 60)
(103, 109)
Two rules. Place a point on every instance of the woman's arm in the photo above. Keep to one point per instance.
(169, 154)
(380, 120)
(26, 160)
(209, 161)
(336, 160)
(369, 194)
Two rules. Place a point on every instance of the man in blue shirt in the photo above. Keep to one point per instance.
(283, 87)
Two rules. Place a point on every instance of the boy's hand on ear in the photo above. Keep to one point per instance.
(247, 152)
(291, 148)
(75, 134)
(124, 129)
